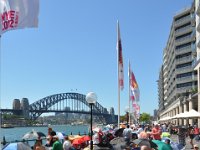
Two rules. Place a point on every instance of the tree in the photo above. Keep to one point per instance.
(122, 118)
(144, 117)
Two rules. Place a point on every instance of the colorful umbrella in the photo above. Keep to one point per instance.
(77, 141)
(33, 135)
(17, 146)
(86, 138)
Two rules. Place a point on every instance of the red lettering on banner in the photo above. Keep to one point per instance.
(9, 19)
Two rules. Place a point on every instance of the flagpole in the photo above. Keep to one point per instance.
(0, 69)
(129, 92)
(118, 76)
(118, 100)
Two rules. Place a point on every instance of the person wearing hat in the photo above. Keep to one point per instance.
(57, 145)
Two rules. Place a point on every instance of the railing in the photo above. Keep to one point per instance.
(184, 69)
(183, 29)
(185, 79)
(183, 89)
(183, 50)
(183, 38)
(184, 59)
(184, 19)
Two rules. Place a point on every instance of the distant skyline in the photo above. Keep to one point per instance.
(74, 50)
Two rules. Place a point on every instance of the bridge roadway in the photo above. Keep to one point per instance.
(70, 103)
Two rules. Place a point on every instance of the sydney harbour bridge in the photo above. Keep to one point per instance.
(63, 103)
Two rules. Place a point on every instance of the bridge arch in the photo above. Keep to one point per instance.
(42, 105)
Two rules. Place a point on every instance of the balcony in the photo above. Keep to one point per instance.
(183, 50)
(184, 79)
(183, 40)
(184, 89)
(183, 30)
(184, 60)
(164, 67)
(184, 69)
(165, 61)
(183, 20)
(165, 73)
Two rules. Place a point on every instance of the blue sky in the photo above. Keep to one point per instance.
(74, 50)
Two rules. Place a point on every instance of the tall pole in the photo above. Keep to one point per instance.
(129, 74)
(118, 75)
(118, 100)
(1, 121)
(91, 133)
(127, 117)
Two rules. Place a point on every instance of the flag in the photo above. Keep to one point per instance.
(18, 14)
(136, 109)
(135, 93)
(120, 60)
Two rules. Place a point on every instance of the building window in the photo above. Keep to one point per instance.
(184, 75)
(184, 65)
(184, 85)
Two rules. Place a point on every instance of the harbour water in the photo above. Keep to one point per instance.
(13, 134)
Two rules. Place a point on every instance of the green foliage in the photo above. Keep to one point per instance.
(144, 117)
(10, 116)
(194, 90)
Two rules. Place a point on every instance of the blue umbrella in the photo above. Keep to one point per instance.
(17, 146)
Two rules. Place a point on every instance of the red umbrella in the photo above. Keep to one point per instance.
(86, 138)
(77, 141)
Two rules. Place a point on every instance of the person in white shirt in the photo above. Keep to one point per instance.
(139, 130)
(127, 133)
(67, 144)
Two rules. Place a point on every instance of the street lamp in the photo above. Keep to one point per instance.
(127, 111)
(91, 98)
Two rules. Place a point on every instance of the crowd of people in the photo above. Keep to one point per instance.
(127, 137)
(161, 133)
(134, 137)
